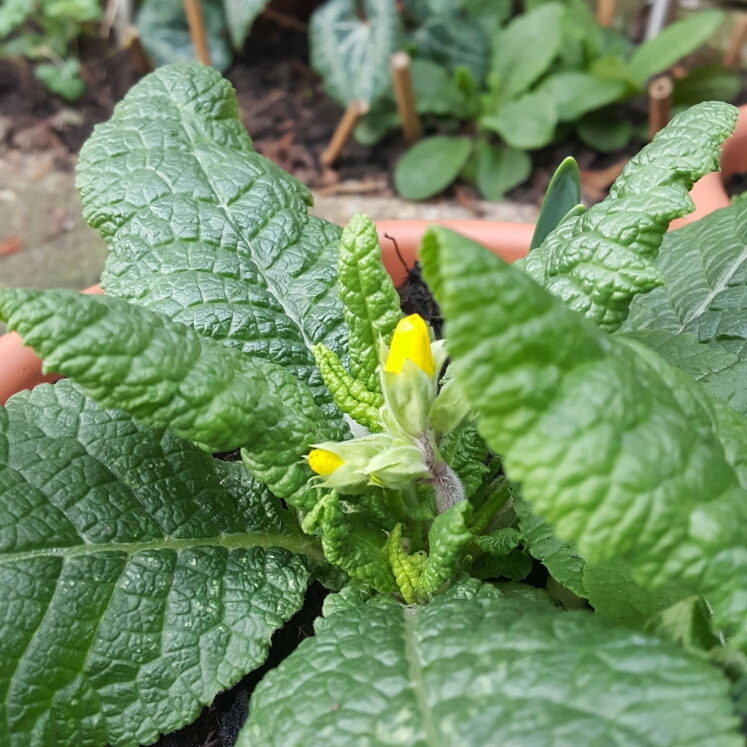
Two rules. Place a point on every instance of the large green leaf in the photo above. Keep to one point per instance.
(240, 15)
(706, 83)
(164, 32)
(350, 51)
(599, 261)
(430, 166)
(208, 232)
(525, 49)
(164, 374)
(527, 122)
(476, 669)
(672, 44)
(139, 577)
(624, 455)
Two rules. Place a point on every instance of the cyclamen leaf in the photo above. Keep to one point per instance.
(599, 261)
(370, 300)
(208, 232)
(626, 456)
(166, 375)
(475, 669)
(351, 52)
(137, 582)
(240, 15)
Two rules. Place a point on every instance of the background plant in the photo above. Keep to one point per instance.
(47, 31)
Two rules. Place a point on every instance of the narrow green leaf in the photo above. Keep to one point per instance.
(474, 668)
(138, 579)
(350, 51)
(164, 374)
(371, 302)
(525, 49)
(563, 195)
(525, 123)
(500, 168)
(599, 261)
(203, 229)
(674, 42)
(431, 166)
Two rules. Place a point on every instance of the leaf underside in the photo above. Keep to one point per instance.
(478, 670)
(205, 230)
(139, 577)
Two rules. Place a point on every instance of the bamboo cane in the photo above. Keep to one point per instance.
(659, 104)
(343, 131)
(197, 30)
(606, 12)
(404, 94)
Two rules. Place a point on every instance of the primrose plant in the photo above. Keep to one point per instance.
(582, 428)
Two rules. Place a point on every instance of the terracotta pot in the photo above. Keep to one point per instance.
(21, 369)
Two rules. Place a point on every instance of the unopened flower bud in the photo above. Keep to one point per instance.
(324, 462)
(411, 341)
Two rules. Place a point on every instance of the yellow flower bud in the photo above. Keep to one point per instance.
(411, 340)
(324, 462)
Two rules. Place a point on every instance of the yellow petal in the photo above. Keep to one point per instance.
(411, 340)
(324, 462)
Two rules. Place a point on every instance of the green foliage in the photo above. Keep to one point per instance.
(456, 672)
(563, 195)
(240, 15)
(48, 30)
(499, 169)
(672, 44)
(430, 166)
(139, 576)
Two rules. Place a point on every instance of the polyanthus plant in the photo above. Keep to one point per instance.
(142, 574)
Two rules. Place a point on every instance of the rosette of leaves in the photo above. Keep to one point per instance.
(142, 576)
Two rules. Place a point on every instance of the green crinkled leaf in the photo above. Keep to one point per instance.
(449, 535)
(563, 562)
(704, 266)
(359, 553)
(500, 542)
(626, 456)
(139, 577)
(240, 15)
(515, 565)
(370, 300)
(599, 261)
(526, 48)
(205, 230)
(350, 51)
(619, 600)
(465, 452)
(166, 375)
(164, 32)
(475, 669)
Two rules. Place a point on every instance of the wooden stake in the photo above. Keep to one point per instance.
(131, 41)
(404, 94)
(342, 132)
(606, 12)
(733, 55)
(659, 104)
(197, 30)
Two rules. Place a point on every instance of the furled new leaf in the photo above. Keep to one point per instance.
(350, 51)
(371, 302)
(475, 669)
(599, 261)
(624, 455)
(205, 230)
(139, 577)
(563, 195)
(166, 375)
